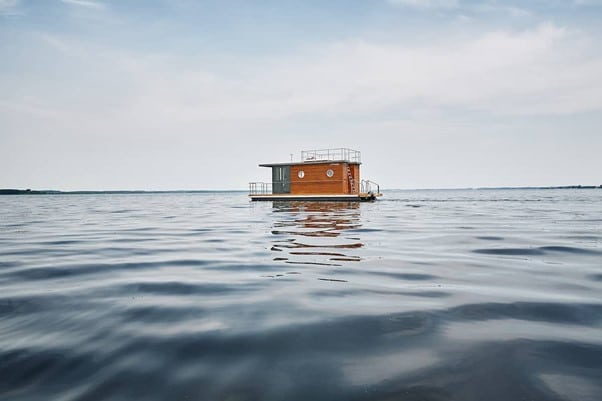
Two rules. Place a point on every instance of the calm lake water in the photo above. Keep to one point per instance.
(424, 295)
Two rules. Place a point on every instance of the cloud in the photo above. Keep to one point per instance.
(54, 42)
(425, 3)
(546, 70)
(497, 9)
(9, 7)
(493, 8)
(588, 2)
(85, 3)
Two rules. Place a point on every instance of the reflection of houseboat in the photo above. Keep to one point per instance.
(317, 233)
(321, 175)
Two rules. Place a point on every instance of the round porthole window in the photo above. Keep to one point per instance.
(329, 173)
(301, 174)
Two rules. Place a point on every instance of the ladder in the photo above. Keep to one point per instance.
(350, 178)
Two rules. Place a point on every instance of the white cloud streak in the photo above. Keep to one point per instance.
(588, 2)
(425, 4)
(9, 7)
(85, 3)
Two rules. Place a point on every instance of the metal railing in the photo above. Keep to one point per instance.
(337, 154)
(265, 188)
(260, 188)
(366, 187)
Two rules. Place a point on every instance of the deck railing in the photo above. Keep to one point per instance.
(265, 188)
(260, 188)
(337, 154)
(366, 187)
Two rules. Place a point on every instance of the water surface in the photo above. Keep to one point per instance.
(423, 295)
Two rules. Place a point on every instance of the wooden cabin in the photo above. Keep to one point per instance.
(327, 174)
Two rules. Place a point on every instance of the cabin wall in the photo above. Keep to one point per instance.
(316, 181)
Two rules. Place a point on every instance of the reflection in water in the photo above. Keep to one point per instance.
(317, 233)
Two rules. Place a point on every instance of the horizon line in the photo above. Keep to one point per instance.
(15, 191)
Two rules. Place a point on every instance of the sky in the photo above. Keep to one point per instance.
(182, 94)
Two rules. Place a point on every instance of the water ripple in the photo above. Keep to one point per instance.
(423, 295)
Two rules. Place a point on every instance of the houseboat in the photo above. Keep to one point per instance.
(321, 175)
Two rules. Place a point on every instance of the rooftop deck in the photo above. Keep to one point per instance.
(336, 154)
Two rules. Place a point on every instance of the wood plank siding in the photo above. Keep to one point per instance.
(316, 181)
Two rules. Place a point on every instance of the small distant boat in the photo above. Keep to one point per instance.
(321, 175)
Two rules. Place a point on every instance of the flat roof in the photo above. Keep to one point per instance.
(308, 162)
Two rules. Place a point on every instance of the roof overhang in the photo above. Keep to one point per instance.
(313, 162)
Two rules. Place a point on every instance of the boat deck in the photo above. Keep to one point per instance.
(361, 197)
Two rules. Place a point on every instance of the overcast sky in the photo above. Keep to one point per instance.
(182, 94)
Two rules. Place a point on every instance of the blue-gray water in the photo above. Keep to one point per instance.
(423, 295)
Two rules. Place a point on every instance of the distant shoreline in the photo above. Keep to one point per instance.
(10, 191)
(56, 192)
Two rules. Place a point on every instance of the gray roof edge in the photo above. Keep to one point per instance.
(308, 163)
